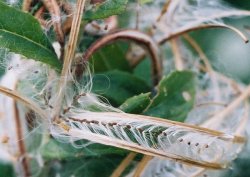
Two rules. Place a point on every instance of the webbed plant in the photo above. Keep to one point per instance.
(117, 88)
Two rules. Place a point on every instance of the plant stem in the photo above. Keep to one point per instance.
(208, 66)
(179, 65)
(206, 26)
(118, 171)
(20, 141)
(135, 36)
(26, 5)
(69, 53)
(17, 97)
(141, 165)
(164, 10)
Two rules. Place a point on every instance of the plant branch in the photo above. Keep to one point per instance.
(137, 37)
(208, 66)
(164, 10)
(30, 104)
(70, 52)
(39, 16)
(123, 165)
(206, 26)
(20, 140)
(200, 52)
(142, 165)
(179, 65)
(26, 5)
(201, 27)
(214, 76)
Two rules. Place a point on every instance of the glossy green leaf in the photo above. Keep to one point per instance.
(64, 151)
(21, 33)
(111, 57)
(143, 71)
(6, 169)
(118, 86)
(106, 9)
(136, 104)
(175, 97)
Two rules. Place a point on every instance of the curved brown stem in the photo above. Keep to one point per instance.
(207, 26)
(135, 36)
(183, 32)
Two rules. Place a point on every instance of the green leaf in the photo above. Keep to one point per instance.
(136, 104)
(143, 71)
(6, 169)
(111, 57)
(175, 97)
(118, 86)
(64, 151)
(21, 33)
(106, 9)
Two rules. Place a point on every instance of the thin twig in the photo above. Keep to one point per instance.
(123, 165)
(70, 52)
(21, 143)
(137, 37)
(164, 10)
(208, 66)
(138, 6)
(211, 103)
(26, 5)
(206, 26)
(198, 49)
(29, 103)
(179, 65)
(142, 165)
(39, 16)
(201, 27)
